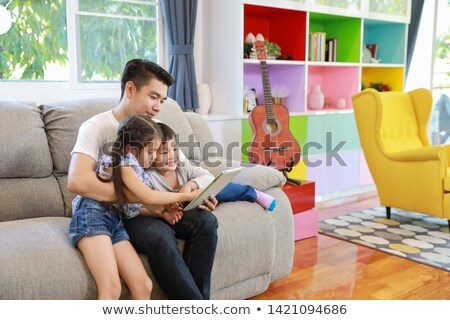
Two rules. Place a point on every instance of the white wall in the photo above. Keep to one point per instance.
(43, 92)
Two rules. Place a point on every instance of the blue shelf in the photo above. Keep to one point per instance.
(390, 37)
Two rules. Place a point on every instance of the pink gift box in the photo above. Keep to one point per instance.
(306, 224)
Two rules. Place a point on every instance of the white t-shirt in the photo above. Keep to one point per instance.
(99, 132)
(95, 134)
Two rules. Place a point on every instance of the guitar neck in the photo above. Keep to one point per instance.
(268, 102)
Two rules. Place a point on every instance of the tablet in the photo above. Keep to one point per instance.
(214, 187)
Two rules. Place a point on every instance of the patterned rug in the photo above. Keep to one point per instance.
(407, 234)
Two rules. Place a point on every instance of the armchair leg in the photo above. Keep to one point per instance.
(388, 212)
(448, 225)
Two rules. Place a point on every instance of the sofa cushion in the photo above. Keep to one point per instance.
(24, 145)
(67, 196)
(62, 121)
(28, 198)
(172, 115)
(38, 262)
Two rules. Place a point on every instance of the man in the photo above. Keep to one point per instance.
(144, 86)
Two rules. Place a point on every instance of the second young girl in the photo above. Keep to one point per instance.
(97, 228)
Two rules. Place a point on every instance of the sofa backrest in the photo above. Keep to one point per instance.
(62, 121)
(28, 187)
(38, 141)
(399, 128)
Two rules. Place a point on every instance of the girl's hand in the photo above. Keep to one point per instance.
(209, 204)
(173, 214)
(191, 196)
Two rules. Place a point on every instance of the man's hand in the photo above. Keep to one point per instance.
(209, 204)
(82, 180)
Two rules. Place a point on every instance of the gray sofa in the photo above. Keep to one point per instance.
(255, 248)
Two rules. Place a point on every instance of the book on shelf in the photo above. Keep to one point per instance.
(330, 51)
(317, 46)
(373, 48)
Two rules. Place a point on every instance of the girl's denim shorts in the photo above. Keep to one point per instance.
(91, 218)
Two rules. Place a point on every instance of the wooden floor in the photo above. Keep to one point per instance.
(327, 268)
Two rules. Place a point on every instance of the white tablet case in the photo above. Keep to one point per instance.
(214, 187)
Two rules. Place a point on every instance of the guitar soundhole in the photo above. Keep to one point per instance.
(271, 126)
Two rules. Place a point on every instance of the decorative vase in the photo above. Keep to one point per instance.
(341, 103)
(250, 38)
(259, 37)
(204, 98)
(316, 98)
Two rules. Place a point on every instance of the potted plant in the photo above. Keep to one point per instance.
(379, 86)
(272, 49)
(248, 49)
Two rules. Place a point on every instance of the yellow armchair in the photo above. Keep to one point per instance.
(408, 171)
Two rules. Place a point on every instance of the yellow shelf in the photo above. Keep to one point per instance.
(391, 76)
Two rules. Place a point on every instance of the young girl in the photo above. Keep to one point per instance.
(97, 228)
(171, 174)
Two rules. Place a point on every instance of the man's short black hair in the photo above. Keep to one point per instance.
(141, 71)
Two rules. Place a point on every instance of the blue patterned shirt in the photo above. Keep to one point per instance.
(128, 161)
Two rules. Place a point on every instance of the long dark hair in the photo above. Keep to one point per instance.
(136, 132)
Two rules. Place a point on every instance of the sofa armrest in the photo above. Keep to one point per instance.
(259, 177)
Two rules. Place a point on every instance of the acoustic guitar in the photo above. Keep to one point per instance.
(273, 143)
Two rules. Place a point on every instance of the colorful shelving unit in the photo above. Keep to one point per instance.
(331, 152)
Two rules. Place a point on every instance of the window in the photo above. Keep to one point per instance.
(440, 124)
(106, 34)
(395, 7)
(36, 45)
(441, 72)
(97, 37)
(430, 66)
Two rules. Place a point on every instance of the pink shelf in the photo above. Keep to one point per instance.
(336, 82)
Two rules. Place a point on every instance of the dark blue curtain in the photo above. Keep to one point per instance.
(179, 20)
(413, 29)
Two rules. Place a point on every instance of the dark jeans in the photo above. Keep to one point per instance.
(181, 277)
(236, 192)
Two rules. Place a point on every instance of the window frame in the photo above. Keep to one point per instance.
(74, 46)
(47, 91)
